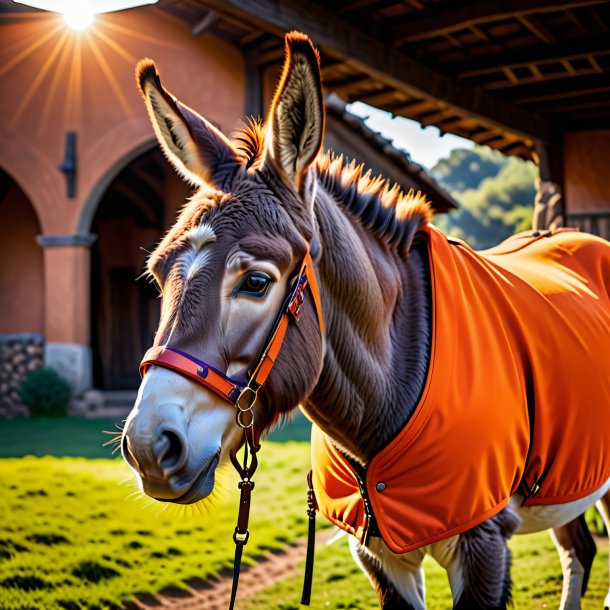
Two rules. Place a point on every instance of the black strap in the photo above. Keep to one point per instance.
(246, 485)
(236, 568)
(311, 541)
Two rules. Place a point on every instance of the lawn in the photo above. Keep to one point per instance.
(79, 437)
(339, 583)
(73, 534)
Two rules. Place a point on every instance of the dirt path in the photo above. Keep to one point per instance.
(215, 594)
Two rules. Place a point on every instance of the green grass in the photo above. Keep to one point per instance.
(71, 537)
(78, 437)
(59, 436)
(339, 583)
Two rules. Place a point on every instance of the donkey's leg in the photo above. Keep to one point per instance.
(603, 506)
(398, 579)
(480, 572)
(576, 550)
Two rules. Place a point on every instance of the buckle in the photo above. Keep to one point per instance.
(294, 306)
(246, 399)
(244, 403)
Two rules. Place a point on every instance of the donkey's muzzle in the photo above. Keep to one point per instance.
(158, 452)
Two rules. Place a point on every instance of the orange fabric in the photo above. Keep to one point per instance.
(526, 323)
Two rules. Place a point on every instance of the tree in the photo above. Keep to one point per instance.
(496, 194)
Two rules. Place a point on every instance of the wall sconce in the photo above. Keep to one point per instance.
(68, 167)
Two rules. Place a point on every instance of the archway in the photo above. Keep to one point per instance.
(134, 212)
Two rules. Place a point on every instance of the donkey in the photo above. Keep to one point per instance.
(272, 214)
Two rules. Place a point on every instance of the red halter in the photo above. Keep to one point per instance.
(243, 397)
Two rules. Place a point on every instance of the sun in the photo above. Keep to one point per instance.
(80, 14)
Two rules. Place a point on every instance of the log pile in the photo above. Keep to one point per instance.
(19, 354)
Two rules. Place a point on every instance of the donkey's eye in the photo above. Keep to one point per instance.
(255, 285)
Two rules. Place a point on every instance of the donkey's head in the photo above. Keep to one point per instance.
(224, 271)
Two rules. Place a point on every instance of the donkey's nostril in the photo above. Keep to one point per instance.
(171, 451)
(127, 455)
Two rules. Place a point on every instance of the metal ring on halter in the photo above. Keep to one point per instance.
(240, 414)
(247, 395)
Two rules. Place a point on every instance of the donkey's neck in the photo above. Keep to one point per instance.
(378, 334)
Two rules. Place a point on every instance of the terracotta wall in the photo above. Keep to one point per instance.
(21, 272)
(586, 178)
(54, 79)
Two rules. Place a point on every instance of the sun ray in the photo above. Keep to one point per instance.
(74, 86)
(24, 16)
(66, 53)
(112, 81)
(25, 100)
(137, 35)
(34, 32)
(116, 47)
(19, 57)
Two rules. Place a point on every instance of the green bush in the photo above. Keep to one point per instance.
(45, 392)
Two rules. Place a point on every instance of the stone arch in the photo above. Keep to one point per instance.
(92, 202)
(37, 178)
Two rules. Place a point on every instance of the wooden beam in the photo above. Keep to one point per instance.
(204, 24)
(254, 84)
(486, 64)
(381, 97)
(550, 164)
(537, 28)
(379, 61)
(452, 17)
(343, 86)
(568, 87)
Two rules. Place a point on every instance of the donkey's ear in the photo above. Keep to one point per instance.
(198, 151)
(297, 112)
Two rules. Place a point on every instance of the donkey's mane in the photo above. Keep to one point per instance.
(382, 207)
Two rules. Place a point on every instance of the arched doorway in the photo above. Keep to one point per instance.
(134, 212)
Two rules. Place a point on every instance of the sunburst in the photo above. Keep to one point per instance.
(62, 70)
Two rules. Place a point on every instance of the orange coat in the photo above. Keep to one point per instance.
(525, 325)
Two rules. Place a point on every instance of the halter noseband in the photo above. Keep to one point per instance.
(240, 396)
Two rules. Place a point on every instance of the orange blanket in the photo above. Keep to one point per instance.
(517, 395)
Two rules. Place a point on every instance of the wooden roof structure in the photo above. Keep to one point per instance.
(511, 75)
(400, 167)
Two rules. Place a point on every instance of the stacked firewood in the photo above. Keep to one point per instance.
(19, 354)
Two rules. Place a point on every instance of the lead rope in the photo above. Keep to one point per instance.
(312, 507)
(246, 485)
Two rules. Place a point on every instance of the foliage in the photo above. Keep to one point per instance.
(72, 536)
(496, 195)
(45, 392)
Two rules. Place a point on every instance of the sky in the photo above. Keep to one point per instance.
(425, 146)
